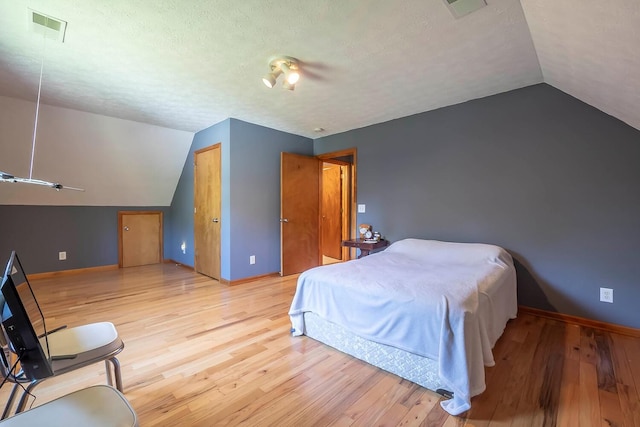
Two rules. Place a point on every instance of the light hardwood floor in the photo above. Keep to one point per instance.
(198, 353)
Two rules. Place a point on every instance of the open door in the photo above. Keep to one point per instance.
(347, 194)
(299, 213)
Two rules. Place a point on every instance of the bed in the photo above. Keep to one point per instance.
(426, 310)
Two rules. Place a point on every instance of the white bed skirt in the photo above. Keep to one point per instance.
(418, 369)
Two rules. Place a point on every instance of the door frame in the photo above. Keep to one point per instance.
(121, 214)
(351, 214)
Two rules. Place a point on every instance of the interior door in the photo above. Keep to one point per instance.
(207, 208)
(299, 210)
(331, 210)
(347, 159)
(140, 236)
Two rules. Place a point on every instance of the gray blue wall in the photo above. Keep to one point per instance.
(183, 199)
(89, 235)
(534, 170)
(255, 196)
(250, 197)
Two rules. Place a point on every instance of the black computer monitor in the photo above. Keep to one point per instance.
(24, 323)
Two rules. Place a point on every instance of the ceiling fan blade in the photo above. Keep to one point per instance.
(5, 177)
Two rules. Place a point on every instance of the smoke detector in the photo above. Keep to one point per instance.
(45, 25)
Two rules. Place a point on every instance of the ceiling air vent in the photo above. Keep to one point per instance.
(47, 26)
(460, 8)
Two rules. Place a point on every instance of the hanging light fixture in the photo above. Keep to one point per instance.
(283, 65)
(54, 28)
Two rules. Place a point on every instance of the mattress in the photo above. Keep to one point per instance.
(441, 301)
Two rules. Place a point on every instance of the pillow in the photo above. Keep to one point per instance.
(435, 251)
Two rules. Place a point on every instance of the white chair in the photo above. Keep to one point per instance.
(71, 349)
(96, 406)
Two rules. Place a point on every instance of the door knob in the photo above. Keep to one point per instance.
(284, 220)
(126, 228)
(215, 220)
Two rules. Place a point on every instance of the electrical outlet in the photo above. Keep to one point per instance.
(62, 256)
(606, 295)
(252, 259)
(362, 208)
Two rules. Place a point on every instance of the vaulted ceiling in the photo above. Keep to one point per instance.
(188, 65)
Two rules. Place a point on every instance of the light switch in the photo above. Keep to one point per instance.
(362, 208)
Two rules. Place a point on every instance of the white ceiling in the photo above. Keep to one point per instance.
(591, 50)
(181, 66)
(189, 65)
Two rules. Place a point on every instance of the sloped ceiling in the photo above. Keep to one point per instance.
(590, 50)
(186, 65)
(117, 162)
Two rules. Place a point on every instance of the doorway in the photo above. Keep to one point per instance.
(334, 203)
(302, 232)
(206, 212)
(342, 227)
(139, 238)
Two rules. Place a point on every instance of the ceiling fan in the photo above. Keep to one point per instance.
(45, 24)
(6, 177)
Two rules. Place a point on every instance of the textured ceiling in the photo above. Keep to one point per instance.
(189, 65)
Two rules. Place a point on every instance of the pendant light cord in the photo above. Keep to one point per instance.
(35, 126)
(6, 177)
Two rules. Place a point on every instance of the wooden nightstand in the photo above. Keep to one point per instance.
(365, 248)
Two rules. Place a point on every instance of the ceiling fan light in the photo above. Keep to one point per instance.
(283, 65)
(291, 75)
(269, 80)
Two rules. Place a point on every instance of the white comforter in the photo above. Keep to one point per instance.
(446, 301)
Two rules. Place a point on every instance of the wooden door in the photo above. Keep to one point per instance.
(140, 238)
(299, 210)
(331, 210)
(347, 159)
(207, 208)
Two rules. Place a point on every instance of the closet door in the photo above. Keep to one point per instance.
(140, 237)
(207, 208)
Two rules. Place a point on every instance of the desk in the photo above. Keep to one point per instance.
(365, 248)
